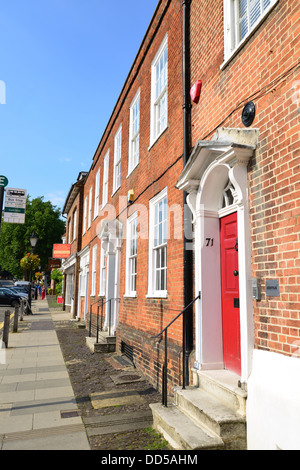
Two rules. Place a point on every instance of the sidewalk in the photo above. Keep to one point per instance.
(38, 410)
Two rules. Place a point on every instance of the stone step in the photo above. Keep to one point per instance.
(104, 344)
(181, 432)
(201, 419)
(224, 385)
(103, 336)
(210, 413)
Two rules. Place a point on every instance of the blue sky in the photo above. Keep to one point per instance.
(63, 64)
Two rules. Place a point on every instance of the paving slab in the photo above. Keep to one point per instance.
(36, 392)
(117, 398)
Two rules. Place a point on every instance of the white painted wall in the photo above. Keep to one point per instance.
(273, 405)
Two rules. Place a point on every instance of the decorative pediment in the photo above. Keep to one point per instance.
(217, 169)
(206, 153)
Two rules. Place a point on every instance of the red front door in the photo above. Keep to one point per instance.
(230, 293)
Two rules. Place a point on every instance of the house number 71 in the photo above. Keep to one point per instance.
(209, 242)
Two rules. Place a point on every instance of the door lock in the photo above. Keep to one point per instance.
(235, 273)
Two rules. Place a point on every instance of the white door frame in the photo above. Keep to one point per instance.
(205, 177)
(111, 236)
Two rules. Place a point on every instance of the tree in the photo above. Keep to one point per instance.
(57, 276)
(41, 217)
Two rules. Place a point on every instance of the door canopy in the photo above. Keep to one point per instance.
(215, 164)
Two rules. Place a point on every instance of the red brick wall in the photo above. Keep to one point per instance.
(139, 317)
(77, 206)
(254, 73)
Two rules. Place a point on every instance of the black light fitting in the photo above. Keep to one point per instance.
(248, 114)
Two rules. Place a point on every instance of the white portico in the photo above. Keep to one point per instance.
(215, 179)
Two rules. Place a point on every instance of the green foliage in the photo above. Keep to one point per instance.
(41, 217)
(30, 262)
(57, 276)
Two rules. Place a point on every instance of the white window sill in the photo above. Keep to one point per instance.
(130, 296)
(157, 295)
(115, 190)
(155, 139)
(132, 170)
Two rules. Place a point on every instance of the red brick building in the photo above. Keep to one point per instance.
(140, 157)
(243, 184)
(233, 156)
(72, 210)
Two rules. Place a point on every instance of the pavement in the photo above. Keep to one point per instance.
(38, 409)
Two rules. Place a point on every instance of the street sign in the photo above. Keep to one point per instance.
(14, 206)
(3, 181)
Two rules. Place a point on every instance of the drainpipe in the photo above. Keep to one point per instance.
(188, 253)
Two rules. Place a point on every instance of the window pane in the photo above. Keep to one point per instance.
(255, 11)
(243, 7)
(266, 3)
(243, 18)
(161, 75)
(250, 12)
(161, 268)
(132, 257)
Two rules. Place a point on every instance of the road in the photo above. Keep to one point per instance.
(2, 312)
(3, 309)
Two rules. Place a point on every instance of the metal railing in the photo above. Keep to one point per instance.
(165, 366)
(98, 325)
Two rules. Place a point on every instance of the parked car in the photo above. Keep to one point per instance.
(24, 287)
(8, 298)
(6, 283)
(15, 290)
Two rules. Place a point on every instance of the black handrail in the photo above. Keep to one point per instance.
(165, 366)
(109, 317)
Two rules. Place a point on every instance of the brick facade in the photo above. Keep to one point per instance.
(73, 212)
(264, 70)
(158, 168)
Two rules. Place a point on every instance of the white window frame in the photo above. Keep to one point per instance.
(159, 98)
(94, 270)
(102, 285)
(90, 207)
(131, 256)
(69, 230)
(74, 224)
(232, 41)
(84, 215)
(156, 249)
(97, 194)
(117, 160)
(134, 133)
(105, 179)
